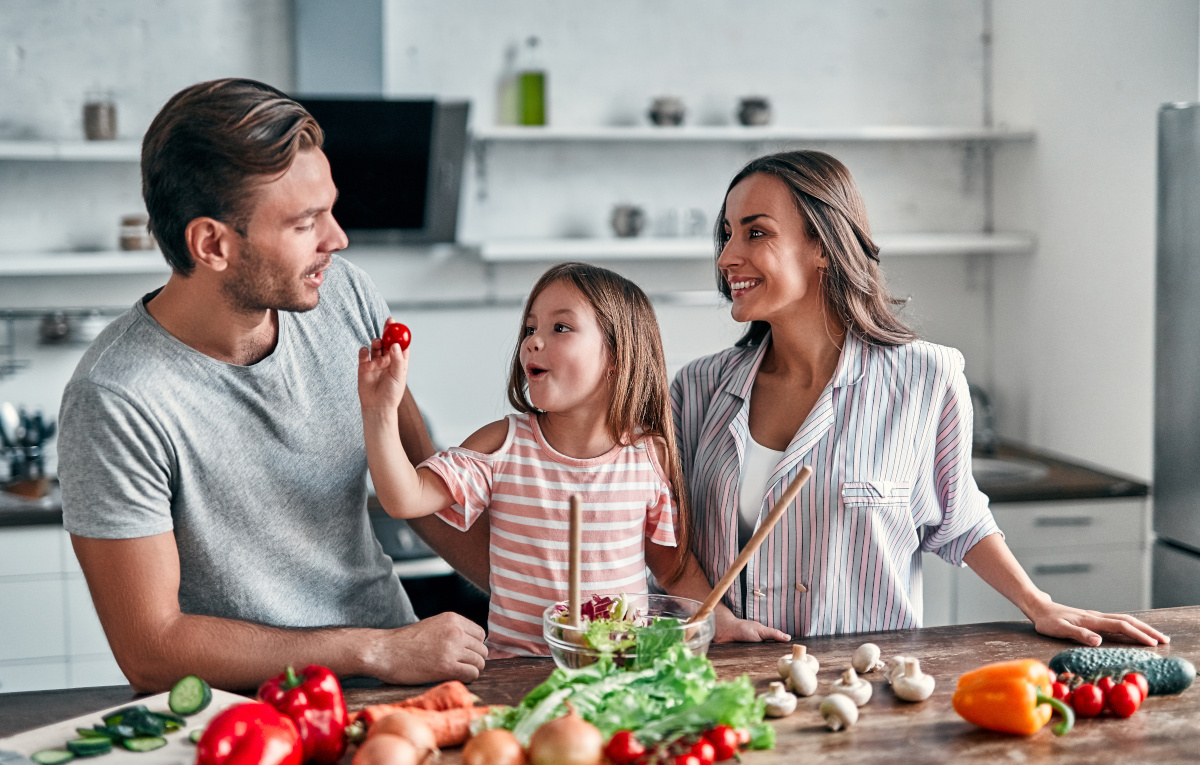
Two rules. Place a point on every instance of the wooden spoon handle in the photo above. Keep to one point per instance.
(785, 499)
(573, 604)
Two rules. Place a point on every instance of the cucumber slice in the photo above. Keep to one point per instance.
(52, 756)
(196, 735)
(113, 732)
(144, 724)
(88, 733)
(189, 696)
(116, 717)
(171, 718)
(144, 743)
(89, 747)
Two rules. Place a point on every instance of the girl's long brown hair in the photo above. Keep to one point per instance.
(641, 399)
(835, 216)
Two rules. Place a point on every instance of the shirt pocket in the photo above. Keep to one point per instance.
(884, 506)
(876, 493)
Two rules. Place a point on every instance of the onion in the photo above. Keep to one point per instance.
(569, 740)
(409, 727)
(386, 749)
(493, 747)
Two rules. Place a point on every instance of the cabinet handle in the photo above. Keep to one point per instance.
(1070, 520)
(1062, 568)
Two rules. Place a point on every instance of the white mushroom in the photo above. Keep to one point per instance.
(780, 703)
(895, 668)
(866, 659)
(855, 687)
(802, 679)
(839, 711)
(913, 684)
(799, 653)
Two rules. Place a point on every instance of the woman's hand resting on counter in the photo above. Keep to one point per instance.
(730, 629)
(1090, 627)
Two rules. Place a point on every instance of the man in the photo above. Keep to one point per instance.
(211, 456)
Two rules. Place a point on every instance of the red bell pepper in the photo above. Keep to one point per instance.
(250, 734)
(313, 699)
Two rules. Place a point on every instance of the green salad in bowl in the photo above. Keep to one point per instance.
(633, 630)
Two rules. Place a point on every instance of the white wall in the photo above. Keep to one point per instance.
(1074, 325)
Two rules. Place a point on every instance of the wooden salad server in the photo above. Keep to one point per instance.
(573, 604)
(785, 499)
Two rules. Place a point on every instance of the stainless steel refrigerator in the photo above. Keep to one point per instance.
(1176, 575)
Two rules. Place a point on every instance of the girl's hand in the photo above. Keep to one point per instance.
(1089, 627)
(731, 629)
(382, 376)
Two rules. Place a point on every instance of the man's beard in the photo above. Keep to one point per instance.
(257, 287)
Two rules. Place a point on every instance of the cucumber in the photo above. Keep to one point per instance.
(89, 747)
(144, 743)
(1164, 674)
(189, 696)
(52, 756)
(196, 735)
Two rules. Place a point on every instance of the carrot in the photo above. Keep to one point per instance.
(451, 727)
(448, 695)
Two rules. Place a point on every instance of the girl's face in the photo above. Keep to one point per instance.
(563, 352)
(771, 263)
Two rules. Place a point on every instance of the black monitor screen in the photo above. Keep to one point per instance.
(379, 155)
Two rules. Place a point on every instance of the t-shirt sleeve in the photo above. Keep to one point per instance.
(662, 512)
(468, 476)
(966, 517)
(114, 467)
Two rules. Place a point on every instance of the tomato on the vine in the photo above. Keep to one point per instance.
(724, 740)
(1124, 699)
(1066, 677)
(743, 735)
(395, 332)
(1105, 684)
(1138, 679)
(687, 758)
(1060, 691)
(1087, 700)
(624, 748)
(704, 750)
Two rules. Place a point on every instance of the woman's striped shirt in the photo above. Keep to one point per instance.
(526, 488)
(889, 442)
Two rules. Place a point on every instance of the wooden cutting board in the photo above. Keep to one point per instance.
(178, 751)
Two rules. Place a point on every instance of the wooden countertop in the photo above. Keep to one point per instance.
(1165, 730)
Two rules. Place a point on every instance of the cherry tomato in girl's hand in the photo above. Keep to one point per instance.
(1087, 700)
(624, 748)
(396, 333)
(1124, 699)
(1138, 679)
(705, 751)
(724, 740)
(1060, 691)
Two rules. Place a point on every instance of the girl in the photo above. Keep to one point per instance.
(589, 383)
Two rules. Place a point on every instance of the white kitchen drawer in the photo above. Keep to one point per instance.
(30, 550)
(1036, 525)
(84, 633)
(33, 620)
(1101, 579)
(49, 676)
(92, 671)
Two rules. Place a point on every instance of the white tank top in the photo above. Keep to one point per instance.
(757, 467)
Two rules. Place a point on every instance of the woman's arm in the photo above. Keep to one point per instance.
(693, 584)
(995, 564)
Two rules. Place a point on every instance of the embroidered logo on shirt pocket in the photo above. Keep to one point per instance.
(876, 493)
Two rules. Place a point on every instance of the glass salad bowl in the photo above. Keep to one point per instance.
(632, 629)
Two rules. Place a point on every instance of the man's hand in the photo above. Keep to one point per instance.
(731, 629)
(443, 647)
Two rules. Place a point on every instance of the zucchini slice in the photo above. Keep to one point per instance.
(144, 743)
(52, 756)
(89, 747)
(189, 696)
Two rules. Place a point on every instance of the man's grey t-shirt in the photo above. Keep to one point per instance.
(259, 470)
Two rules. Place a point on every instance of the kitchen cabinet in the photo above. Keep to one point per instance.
(52, 637)
(1091, 554)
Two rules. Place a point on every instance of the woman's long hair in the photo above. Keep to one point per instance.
(641, 398)
(835, 216)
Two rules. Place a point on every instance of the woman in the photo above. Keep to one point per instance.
(828, 376)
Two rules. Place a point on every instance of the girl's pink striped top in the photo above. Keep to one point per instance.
(889, 442)
(526, 486)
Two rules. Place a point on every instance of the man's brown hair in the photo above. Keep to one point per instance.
(207, 148)
(640, 407)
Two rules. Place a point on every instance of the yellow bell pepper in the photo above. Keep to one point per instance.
(1011, 697)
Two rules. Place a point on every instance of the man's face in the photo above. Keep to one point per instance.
(289, 240)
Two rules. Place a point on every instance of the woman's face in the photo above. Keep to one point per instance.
(563, 352)
(771, 264)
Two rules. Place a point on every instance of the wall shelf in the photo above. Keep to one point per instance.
(82, 263)
(72, 151)
(647, 248)
(736, 133)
